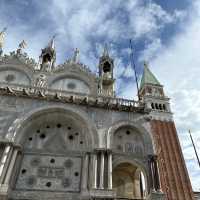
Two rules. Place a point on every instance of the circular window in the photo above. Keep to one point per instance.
(71, 137)
(76, 174)
(48, 184)
(128, 132)
(23, 171)
(42, 136)
(59, 125)
(71, 86)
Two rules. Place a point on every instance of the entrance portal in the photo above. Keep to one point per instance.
(129, 181)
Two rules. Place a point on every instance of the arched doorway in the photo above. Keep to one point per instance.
(129, 181)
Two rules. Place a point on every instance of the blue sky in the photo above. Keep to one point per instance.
(164, 32)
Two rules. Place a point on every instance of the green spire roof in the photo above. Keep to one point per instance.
(148, 77)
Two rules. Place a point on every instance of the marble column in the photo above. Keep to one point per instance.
(11, 166)
(94, 183)
(101, 184)
(85, 172)
(110, 171)
(4, 161)
(156, 175)
(151, 170)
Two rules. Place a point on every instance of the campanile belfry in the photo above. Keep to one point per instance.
(174, 179)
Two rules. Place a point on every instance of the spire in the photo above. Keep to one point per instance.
(52, 43)
(105, 50)
(148, 77)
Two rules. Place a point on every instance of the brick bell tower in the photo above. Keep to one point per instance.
(174, 179)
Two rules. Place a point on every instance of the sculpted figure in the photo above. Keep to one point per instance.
(41, 81)
(2, 38)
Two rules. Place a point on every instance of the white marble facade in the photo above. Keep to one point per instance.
(53, 148)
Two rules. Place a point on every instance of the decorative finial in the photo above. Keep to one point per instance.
(105, 50)
(52, 42)
(2, 38)
(76, 54)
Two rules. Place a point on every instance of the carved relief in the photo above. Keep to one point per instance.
(41, 81)
(128, 140)
(48, 175)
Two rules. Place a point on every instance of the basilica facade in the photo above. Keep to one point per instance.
(64, 134)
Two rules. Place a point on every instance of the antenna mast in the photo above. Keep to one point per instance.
(194, 148)
(134, 67)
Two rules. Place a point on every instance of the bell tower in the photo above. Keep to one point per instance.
(152, 93)
(106, 79)
(174, 179)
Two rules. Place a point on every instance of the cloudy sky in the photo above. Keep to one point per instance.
(164, 33)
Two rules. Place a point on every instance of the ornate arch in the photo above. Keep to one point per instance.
(144, 133)
(135, 163)
(16, 135)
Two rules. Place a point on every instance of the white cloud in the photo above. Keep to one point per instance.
(79, 23)
(151, 50)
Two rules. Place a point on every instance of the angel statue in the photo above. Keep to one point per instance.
(2, 38)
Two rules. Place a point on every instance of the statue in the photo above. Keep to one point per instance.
(2, 38)
(41, 81)
(22, 45)
(75, 57)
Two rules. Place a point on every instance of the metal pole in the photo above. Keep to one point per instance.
(194, 148)
(134, 67)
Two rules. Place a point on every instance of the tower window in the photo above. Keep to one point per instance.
(164, 107)
(106, 67)
(160, 106)
(156, 106)
(47, 58)
(152, 106)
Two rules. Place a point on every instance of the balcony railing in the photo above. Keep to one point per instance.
(72, 97)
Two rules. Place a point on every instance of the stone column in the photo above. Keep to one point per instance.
(156, 173)
(4, 161)
(101, 184)
(94, 183)
(151, 169)
(85, 172)
(110, 170)
(11, 166)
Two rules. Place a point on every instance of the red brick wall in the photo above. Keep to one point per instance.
(175, 181)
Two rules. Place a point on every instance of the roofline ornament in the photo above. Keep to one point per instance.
(2, 39)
